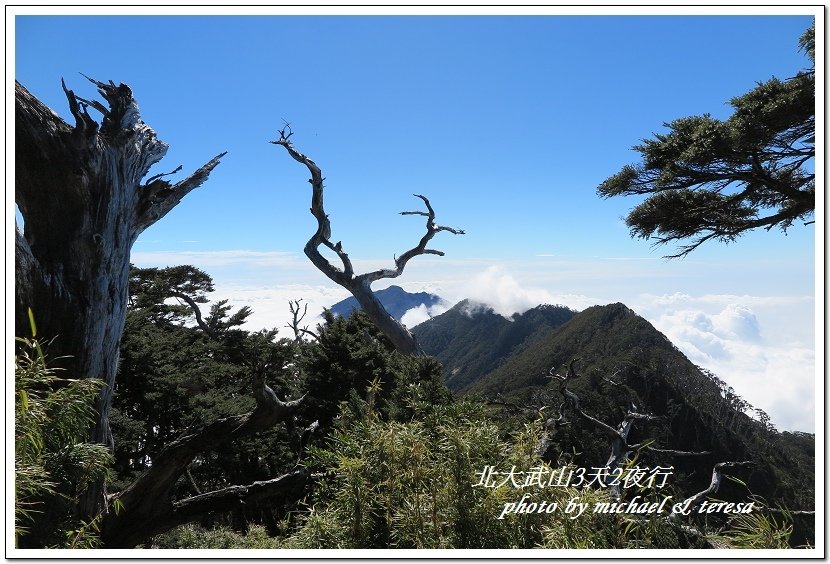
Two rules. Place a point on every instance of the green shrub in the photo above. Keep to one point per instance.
(54, 463)
(414, 485)
(194, 536)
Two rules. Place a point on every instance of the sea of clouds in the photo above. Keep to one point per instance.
(763, 347)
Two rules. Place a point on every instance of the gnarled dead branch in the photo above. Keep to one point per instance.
(147, 506)
(360, 284)
(296, 319)
(617, 437)
(714, 485)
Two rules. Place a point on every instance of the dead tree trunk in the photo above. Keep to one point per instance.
(79, 191)
(360, 284)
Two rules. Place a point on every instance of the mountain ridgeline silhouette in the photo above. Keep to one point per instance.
(395, 299)
(623, 364)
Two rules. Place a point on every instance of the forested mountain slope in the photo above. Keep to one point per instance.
(471, 340)
(624, 365)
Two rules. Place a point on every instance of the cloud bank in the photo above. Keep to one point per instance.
(418, 315)
(762, 346)
(501, 291)
(758, 345)
(270, 304)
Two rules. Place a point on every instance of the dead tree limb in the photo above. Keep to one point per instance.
(296, 319)
(714, 485)
(146, 506)
(673, 452)
(513, 407)
(360, 284)
(617, 437)
(233, 497)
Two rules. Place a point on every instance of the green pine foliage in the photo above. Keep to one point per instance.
(349, 355)
(707, 178)
(175, 374)
(54, 462)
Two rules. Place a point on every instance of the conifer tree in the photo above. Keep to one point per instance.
(716, 179)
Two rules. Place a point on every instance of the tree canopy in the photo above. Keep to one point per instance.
(717, 179)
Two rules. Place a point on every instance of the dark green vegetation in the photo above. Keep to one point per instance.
(393, 454)
(716, 179)
(175, 377)
(625, 364)
(470, 340)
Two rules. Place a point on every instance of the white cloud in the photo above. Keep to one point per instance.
(759, 345)
(503, 292)
(738, 321)
(270, 304)
(472, 307)
(419, 314)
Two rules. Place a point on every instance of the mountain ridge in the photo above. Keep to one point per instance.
(625, 364)
(470, 339)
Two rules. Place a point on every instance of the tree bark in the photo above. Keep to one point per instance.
(79, 191)
(360, 284)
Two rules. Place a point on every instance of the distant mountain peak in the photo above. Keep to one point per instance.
(471, 307)
(394, 299)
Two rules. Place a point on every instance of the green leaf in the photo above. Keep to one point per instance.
(32, 322)
(736, 480)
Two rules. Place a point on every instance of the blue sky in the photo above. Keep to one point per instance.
(507, 123)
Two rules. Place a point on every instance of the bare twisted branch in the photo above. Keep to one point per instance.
(360, 285)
